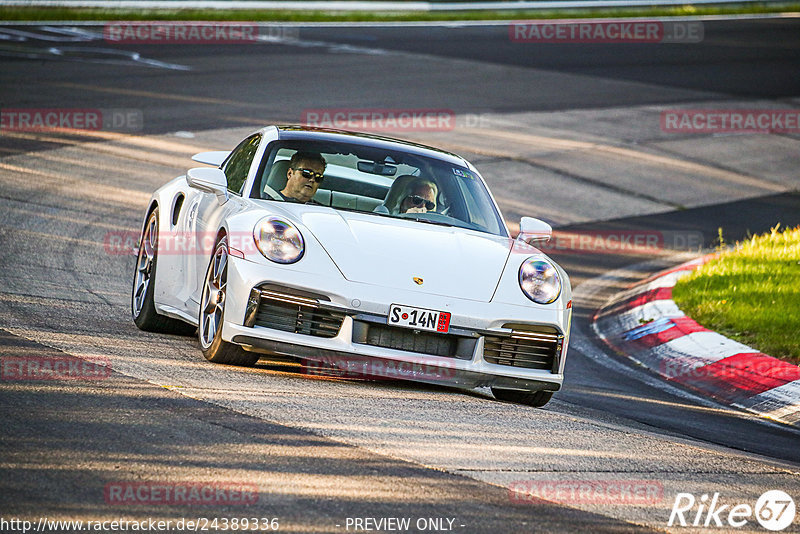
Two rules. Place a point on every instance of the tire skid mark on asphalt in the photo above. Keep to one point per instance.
(66, 240)
(404, 391)
(145, 141)
(50, 32)
(255, 122)
(58, 203)
(160, 151)
(626, 153)
(542, 163)
(33, 214)
(140, 364)
(582, 347)
(61, 183)
(136, 153)
(86, 54)
(617, 471)
(50, 300)
(161, 96)
(40, 267)
(78, 161)
(62, 136)
(27, 297)
(123, 174)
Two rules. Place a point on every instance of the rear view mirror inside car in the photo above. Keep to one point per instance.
(377, 167)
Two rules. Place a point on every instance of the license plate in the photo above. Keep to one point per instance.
(419, 319)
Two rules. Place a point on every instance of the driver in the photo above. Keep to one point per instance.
(305, 173)
(420, 197)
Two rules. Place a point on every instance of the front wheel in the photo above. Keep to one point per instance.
(537, 399)
(143, 307)
(212, 313)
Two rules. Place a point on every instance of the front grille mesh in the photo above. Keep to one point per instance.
(534, 349)
(290, 313)
(390, 337)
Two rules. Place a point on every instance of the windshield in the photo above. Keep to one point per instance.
(378, 181)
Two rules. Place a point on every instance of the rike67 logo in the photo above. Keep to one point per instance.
(774, 510)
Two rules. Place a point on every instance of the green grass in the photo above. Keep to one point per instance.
(750, 294)
(101, 14)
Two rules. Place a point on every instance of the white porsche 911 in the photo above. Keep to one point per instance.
(374, 256)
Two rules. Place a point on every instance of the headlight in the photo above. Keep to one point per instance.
(539, 281)
(279, 240)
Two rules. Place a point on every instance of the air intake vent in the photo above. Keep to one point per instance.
(294, 311)
(534, 348)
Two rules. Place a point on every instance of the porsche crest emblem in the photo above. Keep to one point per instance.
(418, 280)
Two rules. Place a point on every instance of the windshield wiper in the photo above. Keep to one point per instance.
(419, 219)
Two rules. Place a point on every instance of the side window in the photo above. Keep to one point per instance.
(238, 164)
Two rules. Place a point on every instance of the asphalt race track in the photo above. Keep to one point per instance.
(569, 133)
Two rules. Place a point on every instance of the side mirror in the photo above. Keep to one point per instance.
(531, 230)
(209, 180)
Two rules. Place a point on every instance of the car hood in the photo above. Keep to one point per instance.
(394, 253)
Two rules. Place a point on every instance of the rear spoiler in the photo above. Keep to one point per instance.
(214, 158)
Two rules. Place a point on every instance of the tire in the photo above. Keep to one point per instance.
(537, 399)
(212, 313)
(143, 308)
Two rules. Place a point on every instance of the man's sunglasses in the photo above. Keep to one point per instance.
(308, 173)
(418, 201)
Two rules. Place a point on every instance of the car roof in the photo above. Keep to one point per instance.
(309, 133)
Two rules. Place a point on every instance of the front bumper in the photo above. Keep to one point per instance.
(363, 306)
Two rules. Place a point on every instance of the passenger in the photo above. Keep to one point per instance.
(305, 173)
(419, 197)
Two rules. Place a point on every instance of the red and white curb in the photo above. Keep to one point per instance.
(644, 324)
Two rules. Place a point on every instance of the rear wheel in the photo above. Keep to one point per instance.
(212, 313)
(143, 307)
(536, 399)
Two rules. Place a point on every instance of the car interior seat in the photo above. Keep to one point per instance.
(277, 175)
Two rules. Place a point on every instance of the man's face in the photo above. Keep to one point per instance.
(301, 187)
(421, 199)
